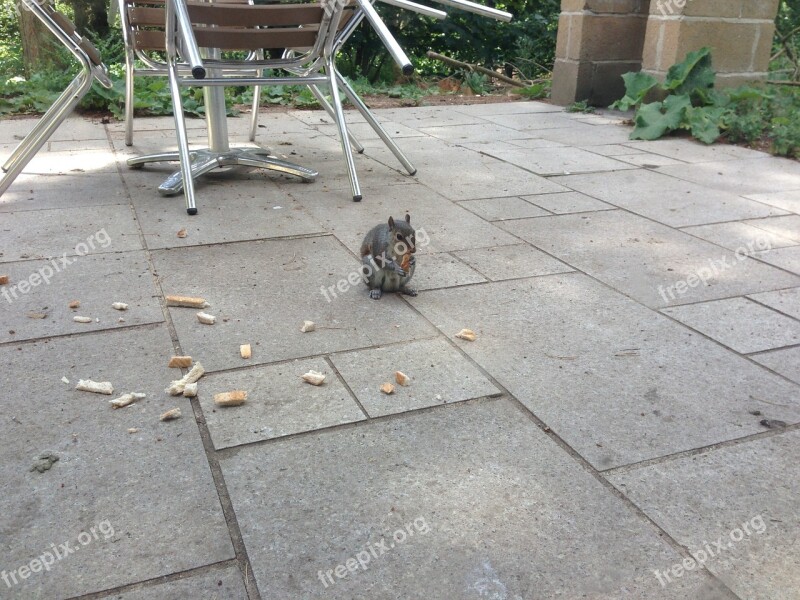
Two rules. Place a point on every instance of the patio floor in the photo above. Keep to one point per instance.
(625, 425)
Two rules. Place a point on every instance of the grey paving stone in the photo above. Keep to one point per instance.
(617, 382)
(648, 161)
(75, 128)
(37, 192)
(531, 121)
(651, 263)
(786, 200)
(692, 151)
(747, 176)
(105, 478)
(785, 258)
(505, 108)
(96, 281)
(310, 504)
(428, 116)
(535, 142)
(666, 199)
(476, 176)
(549, 161)
(512, 262)
(363, 131)
(446, 226)
(786, 362)
(482, 132)
(278, 403)
(442, 270)
(222, 584)
(583, 135)
(568, 202)
(786, 301)
(613, 150)
(78, 231)
(500, 209)
(708, 498)
(737, 235)
(739, 323)
(787, 227)
(262, 291)
(71, 162)
(439, 375)
(229, 210)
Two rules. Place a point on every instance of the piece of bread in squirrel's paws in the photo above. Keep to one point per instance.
(467, 334)
(314, 377)
(406, 262)
(387, 388)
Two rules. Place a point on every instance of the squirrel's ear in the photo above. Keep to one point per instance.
(408, 218)
(391, 222)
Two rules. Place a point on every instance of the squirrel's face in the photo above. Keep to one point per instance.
(404, 237)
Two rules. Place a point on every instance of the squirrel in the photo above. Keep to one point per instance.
(387, 258)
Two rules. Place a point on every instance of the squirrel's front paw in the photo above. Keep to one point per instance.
(409, 291)
(375, 294)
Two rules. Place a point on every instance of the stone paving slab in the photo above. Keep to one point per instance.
(262, 291)
(477, 175)
(501, 209)
(504, 108)
(439, 375)
(648, 261)
(584, 135)
(717, 498)
(490, 508)
(786, 200)
(739, 323)
(41, 192)
(691, 151)
(223, 584)
(785, 258)
(549, 161)
(786, 362)
(747, 176)
(278, 403)
(71, 162)
(429, 116)
(74, 128)
(568, 202)
(442, 270)
(531, 121)
(535, 142)
(665, 199)
(125, 277)
(787, 227)
(618, 382)
(447, 226)
(648, 161)
(739, 234)
(785, 301)
(105, 478)
(512, 262)
(482, 132)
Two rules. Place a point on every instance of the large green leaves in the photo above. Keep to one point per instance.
(694, 75)
(636, 87)
(704, 122)
(658, 118)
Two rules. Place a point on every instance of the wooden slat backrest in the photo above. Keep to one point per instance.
(68, 27)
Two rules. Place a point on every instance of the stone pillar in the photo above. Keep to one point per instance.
(739, 33)
(598, 41)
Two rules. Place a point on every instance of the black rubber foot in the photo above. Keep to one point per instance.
(191, 211)
(414, 172)
(198, 73)
(408, 70)
(356, 198)
(361, 151)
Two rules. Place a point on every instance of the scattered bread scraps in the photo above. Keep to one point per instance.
(467, 334)
(133, 430)
(74, 304)
(206, 319)
(245, 351)
(82, 319)
(180, 362)
(171, 415)
(190, 391)
(98, 387)
(126, 399)
(182, 232)
(3, 279)
(314, 377)
(401, 378)
(387, 388)
(65, 380)
(308, 326)
(36, 315)
(187, 301)
(234, 398)
(119, 306)
(176, 387)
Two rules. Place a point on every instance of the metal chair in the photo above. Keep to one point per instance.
(92, 69)
(142, 23)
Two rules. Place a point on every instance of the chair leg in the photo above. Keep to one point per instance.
(183, 141)
(376, 126)
(329, 109)
(129, 96)
(49, 122)
(330, 71)
(254, 112)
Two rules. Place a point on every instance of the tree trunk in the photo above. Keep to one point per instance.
(90, 16)
(35, 42)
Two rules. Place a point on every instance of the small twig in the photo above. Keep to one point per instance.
(773, 82)
(477, 68)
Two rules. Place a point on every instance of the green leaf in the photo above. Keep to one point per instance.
(693, 74)
(637, 85)
(705, 122)
(658, 118)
